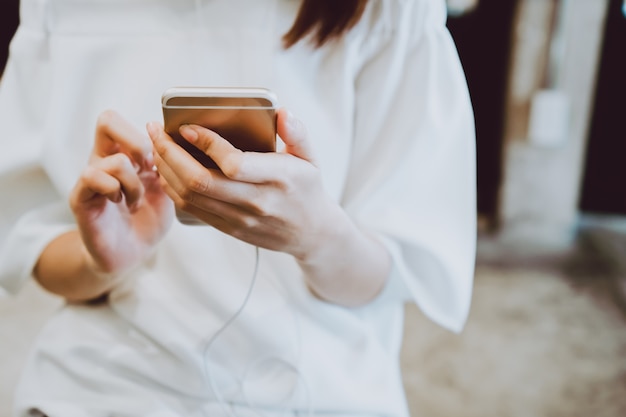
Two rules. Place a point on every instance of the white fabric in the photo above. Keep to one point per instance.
(389, 116)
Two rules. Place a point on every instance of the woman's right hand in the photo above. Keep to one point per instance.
(120, 208)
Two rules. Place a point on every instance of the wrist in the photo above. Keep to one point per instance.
(327, 258)
(92, 271)
(66, 268)
(326, 239)
(345, 265)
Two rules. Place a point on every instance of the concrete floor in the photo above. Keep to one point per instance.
(545, 337)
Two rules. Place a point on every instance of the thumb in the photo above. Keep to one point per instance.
(293, 133)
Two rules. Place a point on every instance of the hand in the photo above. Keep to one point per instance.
(271, 200)
(275, 201)
(118, 203)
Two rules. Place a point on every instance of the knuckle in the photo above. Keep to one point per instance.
(187, 195)
(247, 223)
(120, 163)
(237, 233)
(175, 199)
(179, 202)
(286, 185)
(106, 118)
(231, 166)
(259, 205)
(199, 183)
(183, 204)
(206, 139)
(88, 174)
(229, 169)
(87, 179)
(161, 154)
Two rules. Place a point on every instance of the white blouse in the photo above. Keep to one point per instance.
(388, 112)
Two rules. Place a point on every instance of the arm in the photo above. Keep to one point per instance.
(121, 213)
(65, 268)
(349, 267)
(344, 265)
(413, 119)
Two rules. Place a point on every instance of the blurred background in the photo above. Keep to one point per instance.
(547, 331)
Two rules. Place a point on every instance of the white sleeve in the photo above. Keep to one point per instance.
(412, 176)
(32, 212)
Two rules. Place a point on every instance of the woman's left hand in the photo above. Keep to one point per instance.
(271, 200)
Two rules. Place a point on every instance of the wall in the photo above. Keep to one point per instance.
(541, 182)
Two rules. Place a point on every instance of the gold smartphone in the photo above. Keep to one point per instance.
(246, 117)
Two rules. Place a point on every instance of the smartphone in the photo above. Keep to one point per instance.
(246, 117)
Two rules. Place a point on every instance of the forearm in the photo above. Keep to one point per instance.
(349, 268)
(64, 268)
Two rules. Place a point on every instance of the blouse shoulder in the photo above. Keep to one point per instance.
(399, 24)
(409, 17)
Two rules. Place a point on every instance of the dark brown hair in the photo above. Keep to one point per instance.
(324, 20)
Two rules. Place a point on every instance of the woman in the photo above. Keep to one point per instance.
(292, 302)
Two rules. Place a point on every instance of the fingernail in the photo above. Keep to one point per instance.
(188, 133)
(153, 130)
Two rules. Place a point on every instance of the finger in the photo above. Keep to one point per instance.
(243, 166)
(184, 206)
(228, 158)
(95, 183)
(115, 134)
(293, 133)
(113, 177)
(121, 167)
(223, 225)
(212, 220)
(201, 203)
(183, 173)
(189, 178)
(245, 233)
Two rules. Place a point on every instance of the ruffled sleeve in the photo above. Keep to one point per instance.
(412, 176)
(32, 212)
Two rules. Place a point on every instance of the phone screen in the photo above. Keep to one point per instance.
(245, 117)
